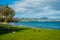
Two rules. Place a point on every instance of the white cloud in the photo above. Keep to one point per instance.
(25, 4)
(34, 8)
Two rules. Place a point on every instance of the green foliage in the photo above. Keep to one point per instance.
(6, 12)
(6, 28)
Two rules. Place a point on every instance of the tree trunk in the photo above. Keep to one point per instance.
(6, 21)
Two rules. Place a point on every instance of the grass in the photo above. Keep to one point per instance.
(25, 33)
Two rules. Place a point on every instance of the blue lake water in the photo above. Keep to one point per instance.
(55, 25)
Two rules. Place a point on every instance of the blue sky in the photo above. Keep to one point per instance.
(4, 2)
(34, 8)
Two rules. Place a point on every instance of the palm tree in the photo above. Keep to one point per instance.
(8, 13)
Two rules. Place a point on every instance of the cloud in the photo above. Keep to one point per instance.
(36, 8)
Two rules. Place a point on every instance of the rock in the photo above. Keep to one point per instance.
(13, 32)
(34, 30)
(39, 31)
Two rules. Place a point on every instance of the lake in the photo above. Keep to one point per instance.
(54, 25)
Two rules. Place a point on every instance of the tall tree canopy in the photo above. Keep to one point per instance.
(7, 13)
(1, 9)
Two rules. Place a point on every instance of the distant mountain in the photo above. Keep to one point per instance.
(43, 18)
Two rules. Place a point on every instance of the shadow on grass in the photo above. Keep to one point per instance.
(6, 30)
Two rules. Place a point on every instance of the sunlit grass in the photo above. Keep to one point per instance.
(31, 34)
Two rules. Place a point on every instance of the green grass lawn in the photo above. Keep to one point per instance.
(32, 34)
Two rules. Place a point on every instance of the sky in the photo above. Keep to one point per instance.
(34, 8)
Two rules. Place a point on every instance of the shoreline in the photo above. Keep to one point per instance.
(31, 26)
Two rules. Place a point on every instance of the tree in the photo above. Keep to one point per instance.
(1, 9)
(8, 13)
